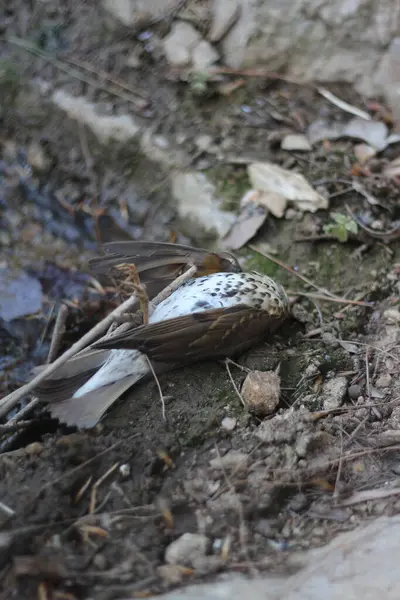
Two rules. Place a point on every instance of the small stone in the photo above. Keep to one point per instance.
(228, 423)
(232, 461)
(392, 316)
(100, 562)
(203, 142)
(364, 152)
(133, 60)
(296, 142)
(37, 157)
(333, 392)
(204, 55)
(187, 549)
(125, 470)
(354, 391)
(261, 391)
(383, 381)
(173, 574)
(180, 42)
(161, 142)
(34, 448)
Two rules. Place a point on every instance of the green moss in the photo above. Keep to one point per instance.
(254, 261)
(231, 185)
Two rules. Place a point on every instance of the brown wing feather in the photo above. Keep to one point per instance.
(198, 336)
(64, 382)
(151, 255)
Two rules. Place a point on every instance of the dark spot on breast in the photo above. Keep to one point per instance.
(202, 304)
(229, 293)
(213, 294)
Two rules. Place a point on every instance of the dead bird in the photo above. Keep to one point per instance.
(220, 312)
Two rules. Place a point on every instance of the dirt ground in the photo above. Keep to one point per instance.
(92, 514)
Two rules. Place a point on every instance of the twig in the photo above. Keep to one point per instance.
(329, 299)
(159, 388)
(93, 494)
(57, 332)
(70, 70)
(9, 401)
(390, 235)
(24, 411)
(172, 287)
(235, 387)
(366, 495)
(331, 296)
(9, 427)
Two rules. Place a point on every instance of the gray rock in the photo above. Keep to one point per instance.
(180, 42)
(120, 128)
(187, 549)
(225, 13)
(333, 392)
(204, 55)
(357, 565)
(198, 206)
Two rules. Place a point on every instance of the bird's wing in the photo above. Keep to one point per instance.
(197, 336)
(158, 263)
(64, 382)
(86, 411)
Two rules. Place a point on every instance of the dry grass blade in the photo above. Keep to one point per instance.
(323, 293)
(74, 72)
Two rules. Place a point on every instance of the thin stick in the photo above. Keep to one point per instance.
(9, 401)
(235, 387)
(57, 332)
(159, 388)
(328, 298)
(172, 287)
(332, 296)
(9, 427)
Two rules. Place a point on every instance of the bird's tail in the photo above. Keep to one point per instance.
(86, 411)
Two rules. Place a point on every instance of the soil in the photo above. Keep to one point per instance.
(91, 514)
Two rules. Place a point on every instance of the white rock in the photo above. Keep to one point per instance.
(186, 549)
(224, 14)
(271, 178)
(122, 10)
(383, 381)
(180, 42)
(296, 141)
(204, 55)
(228, 423)
(333, 392)
(198, 205)
(120, 128)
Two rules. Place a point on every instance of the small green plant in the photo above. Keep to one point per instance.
(199, 82)
(341, 226)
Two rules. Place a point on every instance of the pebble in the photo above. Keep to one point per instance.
(333, 392)
(261, 391)
(383, 381)
(232, 460)
(354, 391)
(228, 423)
(187, 549)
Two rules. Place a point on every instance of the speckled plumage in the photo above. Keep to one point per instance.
(217, 291)
(213, 316)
